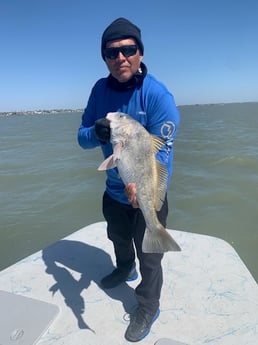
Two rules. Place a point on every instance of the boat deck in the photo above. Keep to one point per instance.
(208, 296)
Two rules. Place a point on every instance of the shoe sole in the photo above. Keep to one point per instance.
(132, 278)
(133, 275)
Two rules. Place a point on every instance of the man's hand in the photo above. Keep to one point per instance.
(130, 191)
(102, 130)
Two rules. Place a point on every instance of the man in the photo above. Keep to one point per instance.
(130, 89)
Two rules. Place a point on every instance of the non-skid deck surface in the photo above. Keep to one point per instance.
(166, 341)
(208, 296)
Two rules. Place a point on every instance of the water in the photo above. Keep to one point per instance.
(50, 187)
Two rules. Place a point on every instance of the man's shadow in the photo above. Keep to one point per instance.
(92, 263)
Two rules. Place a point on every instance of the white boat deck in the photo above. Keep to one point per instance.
(208, 296)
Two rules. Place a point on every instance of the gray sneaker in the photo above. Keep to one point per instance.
(140, 324)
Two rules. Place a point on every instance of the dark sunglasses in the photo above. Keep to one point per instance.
(112, 53)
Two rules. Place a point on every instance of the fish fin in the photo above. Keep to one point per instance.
(117, 150)
(108, 163)
(161, 173)
(157, 143)
(159, 242)
(162, 177)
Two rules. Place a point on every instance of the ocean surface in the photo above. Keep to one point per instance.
(50, 187)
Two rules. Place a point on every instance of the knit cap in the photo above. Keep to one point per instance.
(121, 28)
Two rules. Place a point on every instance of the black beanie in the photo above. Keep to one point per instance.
(119, 29)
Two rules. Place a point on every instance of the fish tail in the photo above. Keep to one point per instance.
(159, 241)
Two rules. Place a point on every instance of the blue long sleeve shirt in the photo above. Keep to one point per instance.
(149, 103)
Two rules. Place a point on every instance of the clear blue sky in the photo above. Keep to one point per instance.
(205, 51)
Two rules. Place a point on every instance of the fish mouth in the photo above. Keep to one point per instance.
(106, 121)
(109, 117)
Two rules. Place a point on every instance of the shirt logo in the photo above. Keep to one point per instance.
(167, 130)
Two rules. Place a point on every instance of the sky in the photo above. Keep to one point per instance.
(204, 51)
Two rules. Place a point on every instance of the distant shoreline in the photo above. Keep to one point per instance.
(40, 112)
(58, 111)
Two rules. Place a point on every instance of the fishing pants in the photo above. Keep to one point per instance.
(125, 228)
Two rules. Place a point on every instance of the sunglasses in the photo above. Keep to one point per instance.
(112, 53)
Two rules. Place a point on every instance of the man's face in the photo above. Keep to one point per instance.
(123, 68)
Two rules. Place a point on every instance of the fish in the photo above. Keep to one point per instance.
(134, 155)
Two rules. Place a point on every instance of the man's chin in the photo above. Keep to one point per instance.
(123, 77)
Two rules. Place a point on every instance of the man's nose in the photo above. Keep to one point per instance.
(121, 56)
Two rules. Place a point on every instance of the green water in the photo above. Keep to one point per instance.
(50, 187)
